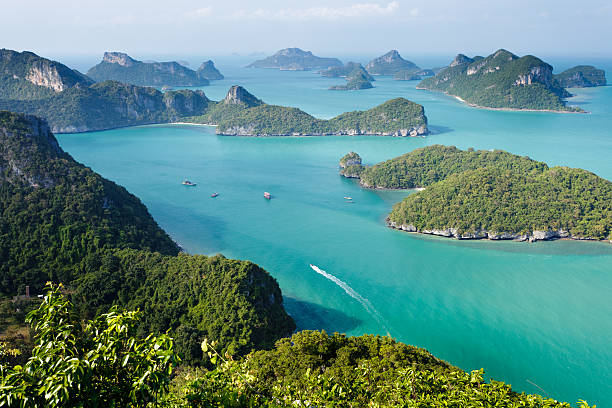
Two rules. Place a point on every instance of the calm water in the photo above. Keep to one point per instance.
(537, 316)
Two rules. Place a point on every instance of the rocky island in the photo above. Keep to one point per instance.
(295, 59)
(490, 194)
(582, 76)
(345, 70)
(208, 71)
(502, 81)
(242, 114)
(355, 80)
(389, 64)
(118, 66)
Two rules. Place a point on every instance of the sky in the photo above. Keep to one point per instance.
(328, 28)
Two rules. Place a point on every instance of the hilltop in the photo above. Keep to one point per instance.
(582, 76)
(26, 76)
(501, 81)
(390, 64)
(118, 66)
(295, 59)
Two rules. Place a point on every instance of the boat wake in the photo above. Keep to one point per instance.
(352, 293)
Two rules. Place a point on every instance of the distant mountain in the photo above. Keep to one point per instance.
(389, 64)
(412, 74)
(582, 76)
(118, 66)
(295, 59)
(208, 71)
(502, 80)
(25, 75)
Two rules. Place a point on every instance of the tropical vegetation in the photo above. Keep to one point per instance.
(582, 76)
(502, 80)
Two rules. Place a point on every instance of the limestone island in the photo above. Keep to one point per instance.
(118, 66)
(209, 71)
(242, 114)
(582, 76)
(295, 59)
(389, 64)
(71, 102)
(502, 81)
(345, 71)
(468, 194)
(355, 80)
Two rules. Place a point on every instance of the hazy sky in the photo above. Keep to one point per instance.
(328, 28)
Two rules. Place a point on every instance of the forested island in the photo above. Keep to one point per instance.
(295, 59)
(357, 79)
(118, 66)
(490, 194)
(241, 113)
(582, 76)
(62, 222)
(502, 81)
(389, 64)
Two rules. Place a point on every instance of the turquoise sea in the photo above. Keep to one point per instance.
(538, 316)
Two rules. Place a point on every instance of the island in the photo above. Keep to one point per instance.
(242, 114)
(502, 81)
(355, 80)
(345, 70)
(118, 66)
(389, 64)
(208, 71)
(468, 194)
(582, 76)
(412, 74)
(295, 59)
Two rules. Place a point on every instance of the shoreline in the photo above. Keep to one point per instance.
(472, 105)
(533, 236)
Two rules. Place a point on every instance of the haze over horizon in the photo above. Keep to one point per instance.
(337, 28)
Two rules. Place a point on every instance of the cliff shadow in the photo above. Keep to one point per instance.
(310, 316)
(438, 130)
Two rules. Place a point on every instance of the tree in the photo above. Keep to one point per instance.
(96, 363)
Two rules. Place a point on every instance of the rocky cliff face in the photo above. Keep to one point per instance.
(532, 236)
(237, 95)
(118, 58)
(461, 59)
(542, 74)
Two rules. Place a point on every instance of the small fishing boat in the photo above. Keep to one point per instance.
(267, 195)
(188, 183)
(348, 198)
(213, 195)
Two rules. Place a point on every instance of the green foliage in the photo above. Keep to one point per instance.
(389, 64)
(97, 363)
(195, 296)
(315, 369)
(391, 117)
(147, 74)
(110, 104)
(492, 82)
(582, 76)
(430, 164)
(62, 222)
(356, 79)
(512, 201)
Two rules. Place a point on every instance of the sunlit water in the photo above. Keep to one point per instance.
(537, 316)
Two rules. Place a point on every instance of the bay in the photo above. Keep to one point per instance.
(537, 316)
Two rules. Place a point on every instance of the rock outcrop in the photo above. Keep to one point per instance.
(208, 71)
(389, 64)
(237, 95)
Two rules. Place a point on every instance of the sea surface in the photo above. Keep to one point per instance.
(537, 316)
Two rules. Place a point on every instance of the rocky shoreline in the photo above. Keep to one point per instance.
(417, 131)
(534, 236)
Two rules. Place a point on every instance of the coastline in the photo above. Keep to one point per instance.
(472, 105)
(533, 236)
